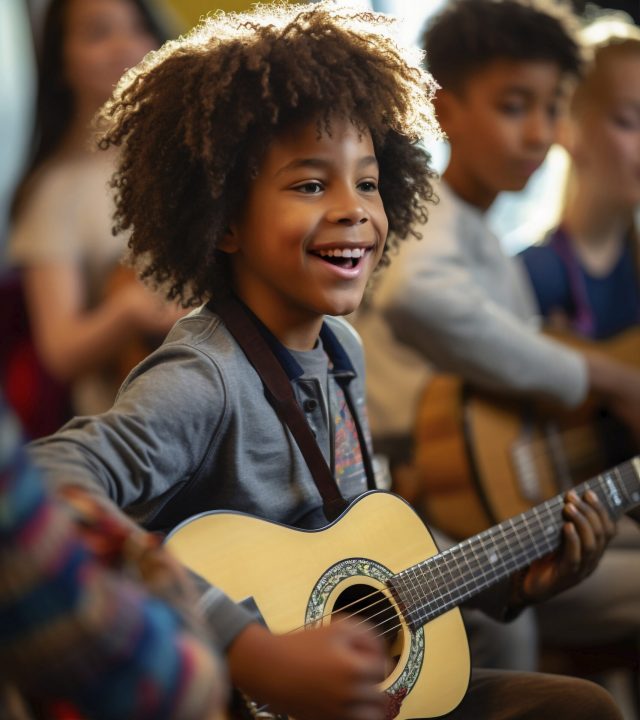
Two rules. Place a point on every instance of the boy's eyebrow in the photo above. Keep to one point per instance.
(322, 164)
(527, 92)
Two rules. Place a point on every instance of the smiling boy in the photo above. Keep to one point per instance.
(264, 159)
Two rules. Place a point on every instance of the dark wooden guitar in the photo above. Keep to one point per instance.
(377, 561)
(481, 458)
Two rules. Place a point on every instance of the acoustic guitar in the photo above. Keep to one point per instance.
(480, 458)
(377, 561)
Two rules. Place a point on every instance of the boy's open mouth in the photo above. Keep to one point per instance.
(341, 257)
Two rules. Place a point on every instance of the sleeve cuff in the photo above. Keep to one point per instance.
(224, 618)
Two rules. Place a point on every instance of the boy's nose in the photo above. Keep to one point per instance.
(351, 219)
(540, 129)
(349, 212)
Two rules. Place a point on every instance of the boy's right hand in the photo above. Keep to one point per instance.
(327, 673)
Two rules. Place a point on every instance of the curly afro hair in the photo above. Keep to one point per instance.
(194, 118)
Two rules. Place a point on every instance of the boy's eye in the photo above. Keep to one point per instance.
(627, 122)
(311, 187)
(368, 186)
(512, 108)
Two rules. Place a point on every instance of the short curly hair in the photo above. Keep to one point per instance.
(193, 121)
(467, 35)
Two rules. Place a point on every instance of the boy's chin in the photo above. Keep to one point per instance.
(345, 307)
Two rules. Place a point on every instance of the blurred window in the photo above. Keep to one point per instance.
(17, 92)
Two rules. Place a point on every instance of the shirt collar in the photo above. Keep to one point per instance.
(340, 363)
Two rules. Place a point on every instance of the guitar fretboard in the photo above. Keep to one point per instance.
(444, 581)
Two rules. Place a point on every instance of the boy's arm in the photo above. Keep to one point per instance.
(435, 305)
(152, 439)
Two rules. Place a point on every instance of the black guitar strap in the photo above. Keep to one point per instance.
(281, 396)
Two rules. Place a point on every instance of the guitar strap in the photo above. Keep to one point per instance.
(281, 396)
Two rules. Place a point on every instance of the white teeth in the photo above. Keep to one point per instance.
(344, 252)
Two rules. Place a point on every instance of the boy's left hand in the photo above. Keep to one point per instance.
(588, 530)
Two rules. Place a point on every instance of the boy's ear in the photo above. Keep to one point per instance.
(447, 107)
(229, 242)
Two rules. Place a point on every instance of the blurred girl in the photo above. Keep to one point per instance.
(62, 210)
(586, 274)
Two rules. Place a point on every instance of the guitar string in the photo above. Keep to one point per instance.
(540, 445)
(625, 478)
(441, 605)
(515, 526)
(468, 582)
(471, 566)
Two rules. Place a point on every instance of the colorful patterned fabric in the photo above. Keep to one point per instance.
(75, 635)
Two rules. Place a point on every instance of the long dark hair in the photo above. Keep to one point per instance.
(54, 100)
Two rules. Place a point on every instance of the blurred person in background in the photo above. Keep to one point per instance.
(586, 272)
(86, 316)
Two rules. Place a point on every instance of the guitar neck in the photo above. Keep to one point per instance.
(444, 581)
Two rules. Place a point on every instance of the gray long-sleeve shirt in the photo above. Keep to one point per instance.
(456, 302)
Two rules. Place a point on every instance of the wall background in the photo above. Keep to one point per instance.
(188, 12)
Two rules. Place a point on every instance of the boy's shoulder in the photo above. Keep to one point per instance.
(203, 331)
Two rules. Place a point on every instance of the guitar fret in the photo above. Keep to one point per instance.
(436, 604)
(543, 529)
(437, 564)
(484, 568)
(430, 581)
(533, 539)
(413, 587)
(511, 564)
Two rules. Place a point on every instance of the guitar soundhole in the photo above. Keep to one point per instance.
(374, 606)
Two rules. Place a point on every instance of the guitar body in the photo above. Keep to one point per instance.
(298, 578)
(481, 458)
